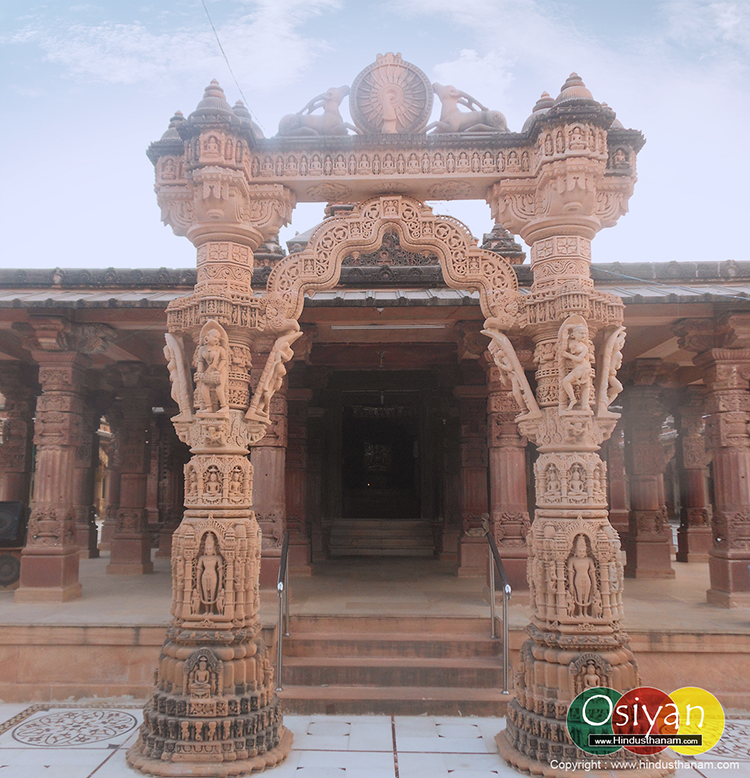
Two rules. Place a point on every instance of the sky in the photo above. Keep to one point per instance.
(86, 87)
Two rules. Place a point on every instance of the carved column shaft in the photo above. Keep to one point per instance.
(296, 481)
(87, 461)
(648, 542)
(171, 498)
(509, 516)
(112, 490)
(474, 493)
(49, 563)
(619, 500)
(726, 374)
(130, 552)
(17, 386)
(694, 534)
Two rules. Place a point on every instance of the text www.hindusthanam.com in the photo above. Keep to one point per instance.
(594, 764)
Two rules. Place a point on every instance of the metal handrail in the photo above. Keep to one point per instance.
(496, 562)
(282, 588)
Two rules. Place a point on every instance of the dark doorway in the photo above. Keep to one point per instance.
(380, 462)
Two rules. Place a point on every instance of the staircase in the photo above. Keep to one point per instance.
(392, 665)
(381, 537)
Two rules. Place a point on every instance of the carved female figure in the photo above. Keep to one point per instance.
(209, 573)
(581, 577)
(213, 371)
(577, 351)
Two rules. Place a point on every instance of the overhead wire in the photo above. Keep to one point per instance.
(226, 59)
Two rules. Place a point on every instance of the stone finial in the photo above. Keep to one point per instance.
(241, 110)
(543, 104)
(214, 102)
(174, 123)
(574, 89)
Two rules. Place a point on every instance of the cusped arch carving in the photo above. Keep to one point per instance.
(318, 267)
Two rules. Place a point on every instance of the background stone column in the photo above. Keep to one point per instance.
(130, 552)
(694, 534)
(87, 460)
(619, 499)
(112, 491)
(472, 553)
(509, 515)
(18, 386)
(726, 373)
(648, 542)
(296, 482)
(49, 563)
(268, 458)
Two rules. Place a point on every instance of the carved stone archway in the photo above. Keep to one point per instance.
(318, 267)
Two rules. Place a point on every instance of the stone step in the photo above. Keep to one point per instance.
(391, 701)
(469, 673)
(385, 537)
(383, 645)
(432, 627)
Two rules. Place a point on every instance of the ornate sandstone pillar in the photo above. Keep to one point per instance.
(130, 551)
(582, 175)
(723, 348)
(49, 562)
(214, 711)
(648, 541)
(509, 515)
(694, 534)
(17, 382)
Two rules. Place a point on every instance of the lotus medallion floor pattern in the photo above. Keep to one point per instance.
(89, 740)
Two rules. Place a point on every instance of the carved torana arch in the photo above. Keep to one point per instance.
(318, 267)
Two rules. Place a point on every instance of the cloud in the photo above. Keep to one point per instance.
(471, 71)
(264, 46)
(722, 28)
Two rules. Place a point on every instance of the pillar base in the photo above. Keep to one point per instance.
(269, 571)
(47, 575)
(720, 599)
(648, 558)
(521, 762)
(693, 544)
(126, 568)
(472, 554)
(515, 569)
(47, 593)
(210, 768)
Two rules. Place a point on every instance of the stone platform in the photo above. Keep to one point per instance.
(107, 642)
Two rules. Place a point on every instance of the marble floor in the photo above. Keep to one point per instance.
(89, 740)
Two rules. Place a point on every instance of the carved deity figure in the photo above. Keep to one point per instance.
(576, 350)
(576, 485)
(200, 681)
(179, 375)
(591, 678)
(554, 487)
(581, 578)
(506, 360)
(212, 371)
(212, 486)
(209, 573)
(235, 482)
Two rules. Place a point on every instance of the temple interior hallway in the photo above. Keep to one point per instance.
(346, 746)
